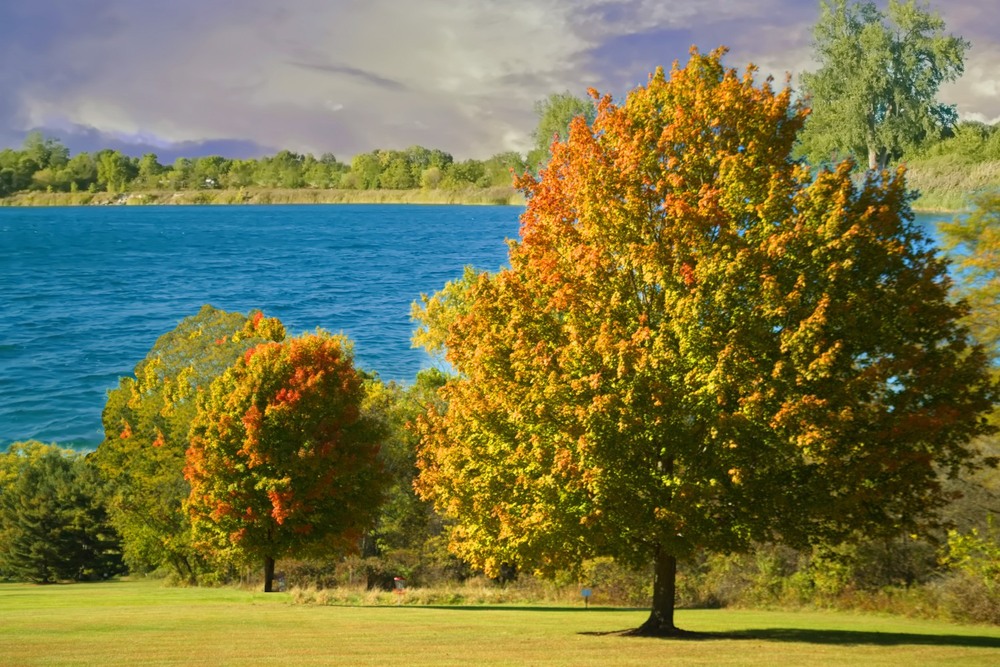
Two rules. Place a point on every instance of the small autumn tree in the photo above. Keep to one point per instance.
(281, 460)
(146, 424)
(697, 345)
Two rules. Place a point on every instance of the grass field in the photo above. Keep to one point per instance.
(142, 623)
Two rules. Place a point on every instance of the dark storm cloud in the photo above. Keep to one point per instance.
(91, 140)
(31, 33)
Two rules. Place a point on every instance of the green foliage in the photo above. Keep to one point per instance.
(44, 165)
(53, 526)
(146, 424)
(555, 113)
(973, 242)
(974, 590)
(282, 460)
(114, 170)
(149, 170)
(407, 538)
(969, 142)
(873, 96)
(977, 554)
(45, 152)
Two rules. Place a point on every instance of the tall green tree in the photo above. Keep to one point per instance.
(114, 170)
(555, 113)
(149, 171)
(46, 152)
(210, 171)
(874, 95)
(697, 345)
(467, 173)
(366, 169)
(146, 424)
(53, 526)
(282, 460)
(81, 171)
(502, 167)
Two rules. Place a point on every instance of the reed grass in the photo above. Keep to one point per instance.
(945, 184)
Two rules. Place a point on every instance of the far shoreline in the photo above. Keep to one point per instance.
(493, 196)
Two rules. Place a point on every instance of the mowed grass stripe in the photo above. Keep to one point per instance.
(140, 622)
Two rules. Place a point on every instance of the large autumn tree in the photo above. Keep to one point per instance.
(146, 424)
(282, 461)
(697, 345)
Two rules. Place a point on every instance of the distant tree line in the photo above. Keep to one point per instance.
(45, 164)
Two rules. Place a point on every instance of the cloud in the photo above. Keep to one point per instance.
(357, 73)
(348, 76)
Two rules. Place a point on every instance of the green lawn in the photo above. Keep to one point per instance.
(141, 623)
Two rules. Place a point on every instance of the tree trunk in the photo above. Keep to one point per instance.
(268, 574)
(878, 158)
(661, 619)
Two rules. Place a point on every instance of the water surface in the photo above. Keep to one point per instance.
(86, 291)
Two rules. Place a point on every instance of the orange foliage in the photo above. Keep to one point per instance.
(282, 437)
(697, 344)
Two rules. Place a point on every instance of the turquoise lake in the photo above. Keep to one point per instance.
(85, 292)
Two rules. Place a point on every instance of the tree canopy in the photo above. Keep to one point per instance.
(874, 94)
(555, 113)
(282, 461)
(697, 345)
(53, 525)
(974, 242)
(146, 424)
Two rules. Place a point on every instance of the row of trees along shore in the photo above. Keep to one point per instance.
(44, 164)
(701, 348)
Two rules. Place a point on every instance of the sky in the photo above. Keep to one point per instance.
(246, 78)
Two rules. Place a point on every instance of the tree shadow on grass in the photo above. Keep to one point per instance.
(861, 637)
(504, 607)
(829, 637)
(789, 635)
